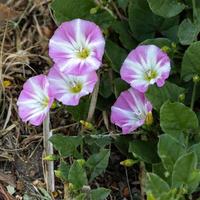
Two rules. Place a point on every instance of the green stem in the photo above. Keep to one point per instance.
(193, 95)
(194, 10)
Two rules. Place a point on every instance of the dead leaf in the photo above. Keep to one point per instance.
(7, 13)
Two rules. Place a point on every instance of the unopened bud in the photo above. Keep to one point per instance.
(94, 10)
(81, 162)
(128, 162)
(149, 119)
(54, 105)
(166, 49)
(181, 97)
(150, 196)
(166, 174)
(58, 173)
(87, 125)
(196, 78)
(51, 157)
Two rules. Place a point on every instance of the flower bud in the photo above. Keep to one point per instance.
(81, 162)
(94, 10)
(196, 78)
(181, 97)
(166, 49)
(58, 174)
(87, 125)
(149, 119)
(166, 174)
(128, 162)
(51, 157)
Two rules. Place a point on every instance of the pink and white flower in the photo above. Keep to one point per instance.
(146, 65)
(69, 88)
(77, 47)
(131, 110)
(35, 100)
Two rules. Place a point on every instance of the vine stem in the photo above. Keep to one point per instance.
(193, 95)
(127, 180)
(48, 150)
(142, 180)
(194, 10)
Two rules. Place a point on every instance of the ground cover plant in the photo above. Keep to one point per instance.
(116, 90)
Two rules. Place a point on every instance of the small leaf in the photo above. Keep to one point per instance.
(145, 150)
(97, 163)
(66, 145)
(158, 96)
(191, 62)
(187, 32)
(177, 118)
(185, 172)
(169, 151)
(100, 193)
(105, 88)
(81, 196)
(166, 8)
(156, 185)
(120, 86)
(77, 175)
(116, 55)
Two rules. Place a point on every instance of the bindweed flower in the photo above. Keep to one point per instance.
(77, 47)
(146, 65)
(35, 100)
(130, 110)
(69, 88)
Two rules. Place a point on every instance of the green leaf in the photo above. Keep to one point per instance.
(97, 163)
(80, 111)
(64, 170)
(145, 150)
(123, 4)
(115, 54)
(119, 86)
(191, 61)
(166, 8)
(122, 28)
(81, 196)
(187, 32)
(105, 88)
(145, 24)
(70, 9)
(160, 42)
(196, 149)
(156, 185)
(185, 172)
(169, 151)
(100, 193)
(77, 175)
(66, 145)
(158, 96)
(177, 118)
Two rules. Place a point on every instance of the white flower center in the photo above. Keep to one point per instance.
(83, 53)
(150, 74)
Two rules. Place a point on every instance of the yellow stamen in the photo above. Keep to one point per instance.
(150, 74)
(77, 88)
(83, 54)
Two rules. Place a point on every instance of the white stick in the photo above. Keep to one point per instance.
(48, 150)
